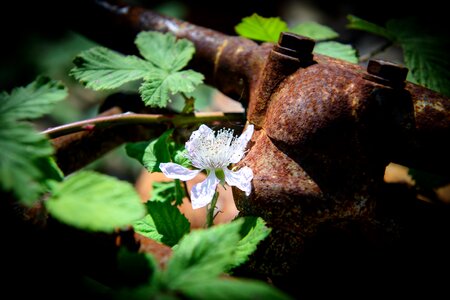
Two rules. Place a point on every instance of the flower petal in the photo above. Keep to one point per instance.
(203, 192)
(241, 144)
(240, 179)
(176, 171)
(200, 133)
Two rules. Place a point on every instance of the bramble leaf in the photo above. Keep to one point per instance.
(260, 28)
(160, 85)
(337, 50)
(100, 68)
(202, 255)
(32, 101)
(360, 24)
(164, 50)
(253, 231)
(25, 168)
(239, 289)
(426, 53)
(96, 202)
(164, 223)
(314, 31)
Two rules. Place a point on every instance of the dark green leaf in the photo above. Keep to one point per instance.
(314, 31)
(96, 202)
(21, 147)
(253, 231)
(134, 268)
(164, 223)
(101, 69)
(202, 255)
(225, 289)
(360, 24)
(164, 50)
(32, 101)
(152, 153)
(261, 29)
(159, 85)
(426, 53)
(337, 50)
(179, 155)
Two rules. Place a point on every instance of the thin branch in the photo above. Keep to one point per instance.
(141, 119)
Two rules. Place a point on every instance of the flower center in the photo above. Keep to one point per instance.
(213, 150)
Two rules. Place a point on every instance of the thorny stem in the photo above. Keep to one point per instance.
(210, 212)
(133, 118)
(376, 51)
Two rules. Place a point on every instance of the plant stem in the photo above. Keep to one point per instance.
(133, 118)
(210, 212)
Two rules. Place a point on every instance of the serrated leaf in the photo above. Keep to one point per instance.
(164, 223)
(92, 201)
(159, 85)
(32, 101)
(20, 147)
(100, 68)
(202, 255)
(151, 154)
(360, 24)
(252, 232)
(260, 28)
(426, 54)
(167, 191)
(225, 289)
(314, 31)
(337, 50)
(164, 50)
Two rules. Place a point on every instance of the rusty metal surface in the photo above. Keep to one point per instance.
(325, 133)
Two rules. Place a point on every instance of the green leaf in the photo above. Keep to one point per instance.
(178, 153)
(253, 231)
(425, 52)
(159, 85)
(225, 289)
(202, 255)
(152, 153)
(20, 148)
(314, 31)
(360, 24)
(167, 191)
(32, 101)
(164, 223)
(101, 69)
(260, 28)
(24, 164)
(96, 202)
(337, 50)
(164, 50)
(134, 268)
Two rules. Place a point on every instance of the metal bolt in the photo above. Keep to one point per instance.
(295, 45)
(392, 73)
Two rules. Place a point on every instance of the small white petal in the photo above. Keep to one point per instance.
(240, 179)
(200, 133)
(175, 171)
(241, 144)
(203, 192)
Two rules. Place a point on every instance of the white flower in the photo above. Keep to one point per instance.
(213, 152)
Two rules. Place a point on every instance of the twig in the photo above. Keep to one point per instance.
(210, 212)
(133, 118)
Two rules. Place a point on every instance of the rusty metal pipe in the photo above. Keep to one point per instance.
(242, 69)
